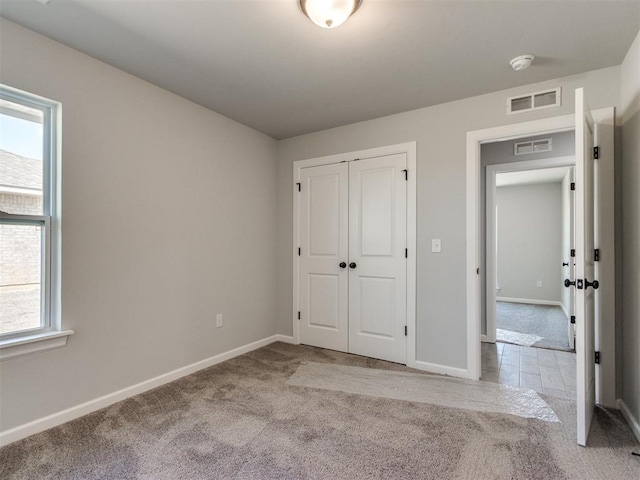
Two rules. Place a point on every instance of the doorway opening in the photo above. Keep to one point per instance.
(595, 308)
(528, 338)
(528, 240)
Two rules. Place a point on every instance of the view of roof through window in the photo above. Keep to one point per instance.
(21, 167)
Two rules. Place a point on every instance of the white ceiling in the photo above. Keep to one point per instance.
(264, 64)
(531, 177)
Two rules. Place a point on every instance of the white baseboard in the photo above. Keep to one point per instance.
(564, 309)
(630, 418)
(285, 339)
(442, 369)
(58, 418)
(530, 301)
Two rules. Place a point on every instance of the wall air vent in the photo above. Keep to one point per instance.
(534, 101)
(535, 146)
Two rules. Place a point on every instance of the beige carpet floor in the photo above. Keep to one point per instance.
(241, 420)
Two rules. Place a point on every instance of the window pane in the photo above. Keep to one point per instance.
(21, 152)
(20, 277)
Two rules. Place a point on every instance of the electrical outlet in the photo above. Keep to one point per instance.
(218, 320)
(539, 283)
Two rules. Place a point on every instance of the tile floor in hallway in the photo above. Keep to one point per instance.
(546, 371)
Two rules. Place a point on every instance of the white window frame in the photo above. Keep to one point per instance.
(50, 333)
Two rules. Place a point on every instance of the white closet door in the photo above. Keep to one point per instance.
(324, 231)
(377, 263)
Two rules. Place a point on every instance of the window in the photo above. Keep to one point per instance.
(29, 224)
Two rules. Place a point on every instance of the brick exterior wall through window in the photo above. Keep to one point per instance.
(20, 259)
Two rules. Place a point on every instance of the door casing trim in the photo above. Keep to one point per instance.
(410, 149)
(605, 270)
(490, 215)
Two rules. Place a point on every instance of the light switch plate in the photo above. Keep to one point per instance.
(436, 245)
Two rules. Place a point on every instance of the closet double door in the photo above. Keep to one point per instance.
(353, 267)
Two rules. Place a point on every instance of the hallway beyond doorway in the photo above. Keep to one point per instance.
(546, 324)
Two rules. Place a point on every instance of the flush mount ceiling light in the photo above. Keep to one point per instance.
(329, 13)
(521, 62)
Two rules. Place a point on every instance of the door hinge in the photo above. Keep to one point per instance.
(573, 319)
(299, 186)
(405, 330)
(299, 251)
(596, 255)
(406, 253)
(406, 174)
(573, 252)
(597, 357)
(596, 153)
(298, 314)
(573, 186)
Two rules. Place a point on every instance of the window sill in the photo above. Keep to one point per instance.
(33, 343)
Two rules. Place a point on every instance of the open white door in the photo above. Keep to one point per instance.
(584, 281)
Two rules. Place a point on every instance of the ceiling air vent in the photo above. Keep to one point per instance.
(534, 101)
(535, 146)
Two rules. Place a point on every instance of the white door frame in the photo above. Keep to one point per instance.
(490, 240)
(605, 269)
(410, 150)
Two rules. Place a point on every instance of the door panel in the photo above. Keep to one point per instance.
(324, 301)
(324, 215)
(376, 204)
(377, 304)
(584, 209)
(377, 241)
(324, 230)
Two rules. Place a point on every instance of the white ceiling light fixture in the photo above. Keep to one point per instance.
(521, 62)
(329, 13)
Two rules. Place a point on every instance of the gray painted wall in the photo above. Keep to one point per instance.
(563, 145)
(630, 96)
(529, 241)
(168, 209)
(440, 132)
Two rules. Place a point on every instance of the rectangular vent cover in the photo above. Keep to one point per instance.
(535, 146)
(534, 101)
